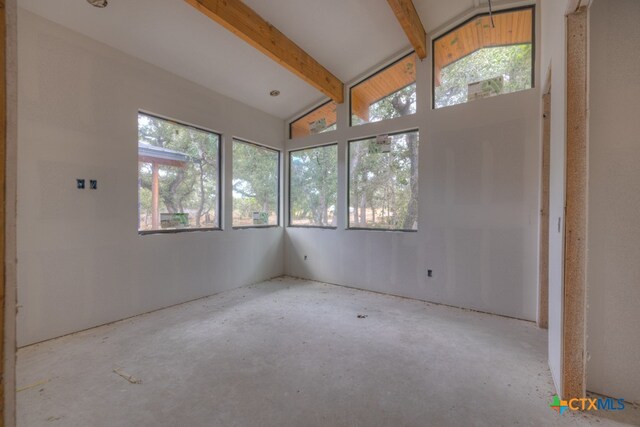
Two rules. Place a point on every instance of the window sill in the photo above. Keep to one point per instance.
(381, 229)
(175, 231)
(320, 227)
(250, 227)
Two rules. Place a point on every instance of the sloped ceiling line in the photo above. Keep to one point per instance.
(244, 22)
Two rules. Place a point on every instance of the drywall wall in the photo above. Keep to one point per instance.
(613, 276)
(81, 260)
(478, 213)
(553, 58)
(10, 288)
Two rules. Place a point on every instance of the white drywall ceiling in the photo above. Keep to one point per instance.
(347, 37)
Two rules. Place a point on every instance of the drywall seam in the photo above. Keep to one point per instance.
(543, 299)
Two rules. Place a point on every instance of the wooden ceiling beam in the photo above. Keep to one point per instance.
(244, 22)
(410, 21)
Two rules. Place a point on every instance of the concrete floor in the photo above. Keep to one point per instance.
(290, 352)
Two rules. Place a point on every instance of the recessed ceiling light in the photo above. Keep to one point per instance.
(98, 3)
(274, 93)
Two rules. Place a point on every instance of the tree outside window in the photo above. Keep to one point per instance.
(178, 176)
(313, 186)
(256, 180)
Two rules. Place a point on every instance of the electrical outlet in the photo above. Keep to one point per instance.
(80, 184)
(93, 184)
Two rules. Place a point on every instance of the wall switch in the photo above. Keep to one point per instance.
(93, 184)
(80, 184)
(429, 273)
(305, 257)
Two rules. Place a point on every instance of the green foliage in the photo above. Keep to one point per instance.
(383, 187)
(191, 188)
(398, 104)
(513, 63)
(255, 183)
(314, 186)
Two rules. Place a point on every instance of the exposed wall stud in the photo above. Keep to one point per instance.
(574, 312)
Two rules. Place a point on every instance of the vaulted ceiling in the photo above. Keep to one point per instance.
(347, 37)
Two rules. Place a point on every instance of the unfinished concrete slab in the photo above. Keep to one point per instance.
(290, 352)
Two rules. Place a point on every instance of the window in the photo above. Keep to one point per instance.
(256, 185)
(383, 182)
(313, 186)
(178, 176)
(478, 60)
(387, 94)
(321, 119)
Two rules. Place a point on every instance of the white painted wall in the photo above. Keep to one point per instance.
(553, 53)
(613, 292)
(81, 260)
(478, 220)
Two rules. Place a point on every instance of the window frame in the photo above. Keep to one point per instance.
(266, 147)
(532, 7)
(309, 111)
(348, 181)
(375, 73)
(289, 225)
(219, 182)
